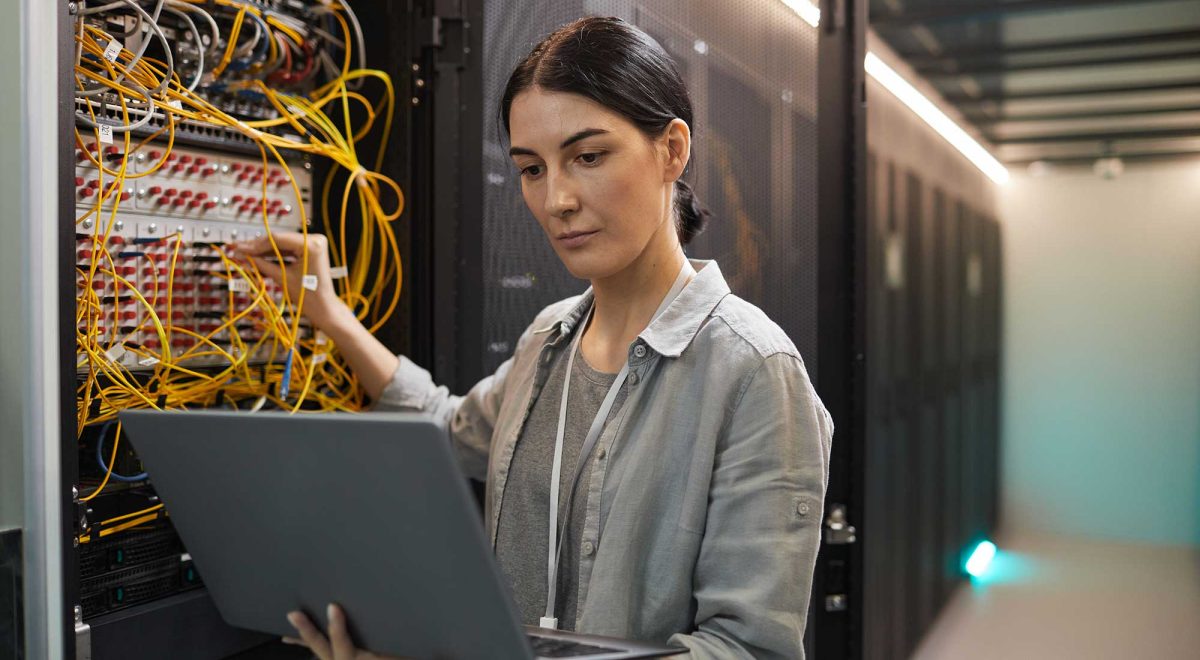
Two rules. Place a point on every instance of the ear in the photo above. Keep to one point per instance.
(677, 149)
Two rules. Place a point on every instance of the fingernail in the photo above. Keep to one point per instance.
(329, 609)
(292, 617)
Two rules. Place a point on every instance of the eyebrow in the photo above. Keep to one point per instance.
(585, 133)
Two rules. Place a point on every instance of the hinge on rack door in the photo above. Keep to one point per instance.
(83, 636)
(837, 530)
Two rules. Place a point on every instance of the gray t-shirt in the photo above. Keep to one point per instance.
(521, 533)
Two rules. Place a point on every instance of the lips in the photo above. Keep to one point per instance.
(573, 239)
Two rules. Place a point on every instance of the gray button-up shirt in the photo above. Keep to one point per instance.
(704, 505)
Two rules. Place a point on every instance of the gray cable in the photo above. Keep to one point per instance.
(153, 23)
(123, 128)
(199, 46)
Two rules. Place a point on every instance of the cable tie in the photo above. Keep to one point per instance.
(358, 176)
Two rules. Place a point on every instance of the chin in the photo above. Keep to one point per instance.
(592, 264)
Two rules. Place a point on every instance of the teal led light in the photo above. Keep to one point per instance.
(981, 558)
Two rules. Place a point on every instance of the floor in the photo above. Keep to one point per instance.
(1062, 598)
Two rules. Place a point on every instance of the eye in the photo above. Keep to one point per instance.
(591, 158)
(531, 171)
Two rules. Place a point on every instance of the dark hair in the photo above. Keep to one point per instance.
(622, 68)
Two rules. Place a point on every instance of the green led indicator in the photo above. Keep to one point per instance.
(191, 575)
(120, 556)
(120, 594)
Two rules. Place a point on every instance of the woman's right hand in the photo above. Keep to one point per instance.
(321, 306)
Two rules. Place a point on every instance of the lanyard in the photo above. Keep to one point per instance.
(554, 548)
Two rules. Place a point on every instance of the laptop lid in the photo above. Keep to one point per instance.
(283, 512)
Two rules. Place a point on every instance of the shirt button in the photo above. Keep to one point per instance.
(588, 548)
(633, 378)
(802, 508)
(601, 454)
(639, 351)
(547, 356)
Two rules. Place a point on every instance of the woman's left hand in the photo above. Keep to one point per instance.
(338, 646)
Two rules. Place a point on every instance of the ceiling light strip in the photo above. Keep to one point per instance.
(917, 102)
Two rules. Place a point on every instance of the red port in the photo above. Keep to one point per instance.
(78, 181)
(87, 254)
(124, 196)
(208, 206)
(162, 200)
(235, 199)
(153, 343)
(178, 201)
(201, 160)
(185, 194)
(99, 285)
(178, 167)
(201, 195)
(185, 158)
(132, 315)
(111, 149)
(194, 203)
(154, 190)
(117, 240)
(170, 192)
(94, 183)
(87, 192)
(179, 343)
(235, 167)
(193, 169)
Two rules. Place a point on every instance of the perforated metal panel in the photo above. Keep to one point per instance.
(751, 69)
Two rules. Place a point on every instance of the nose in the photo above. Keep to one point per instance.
(561, 197)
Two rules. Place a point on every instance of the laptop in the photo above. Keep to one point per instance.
(291, 512)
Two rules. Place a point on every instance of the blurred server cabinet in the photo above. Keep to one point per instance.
(933, 324)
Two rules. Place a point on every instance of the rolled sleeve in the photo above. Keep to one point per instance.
(753, 576)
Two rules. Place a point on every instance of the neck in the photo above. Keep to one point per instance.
(626, 301)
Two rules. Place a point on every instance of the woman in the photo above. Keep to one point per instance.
(694, 518)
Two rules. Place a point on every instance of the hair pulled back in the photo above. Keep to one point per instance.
(623, 69)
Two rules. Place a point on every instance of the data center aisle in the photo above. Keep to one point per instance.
(1068, 598)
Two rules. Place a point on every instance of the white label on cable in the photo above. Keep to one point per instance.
(115, 353)
(239, 285)
(148, 361)
(322, 338)
(106, 134)
(319, 358)
(112, 50)
(339, 272)
(310, 282)
(175, 103)
(295, 110)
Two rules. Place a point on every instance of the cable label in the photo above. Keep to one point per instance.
(148, 361)
(115, 353)
(310, 282)
(106, 134)
(239, 285)
(112, 50)
(338, 272)
(318, 358)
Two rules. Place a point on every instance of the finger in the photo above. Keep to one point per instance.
(296, 641)
(311, 635)
(288, 242)
(339, 636)
(268, 269)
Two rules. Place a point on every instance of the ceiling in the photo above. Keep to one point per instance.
(1062, 81)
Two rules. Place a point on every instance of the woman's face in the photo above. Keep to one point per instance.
(599, 188)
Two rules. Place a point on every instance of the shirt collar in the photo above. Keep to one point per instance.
(675, 329)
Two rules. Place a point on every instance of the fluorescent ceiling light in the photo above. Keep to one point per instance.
(806, 10)
(927, 111)
(917, 102)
